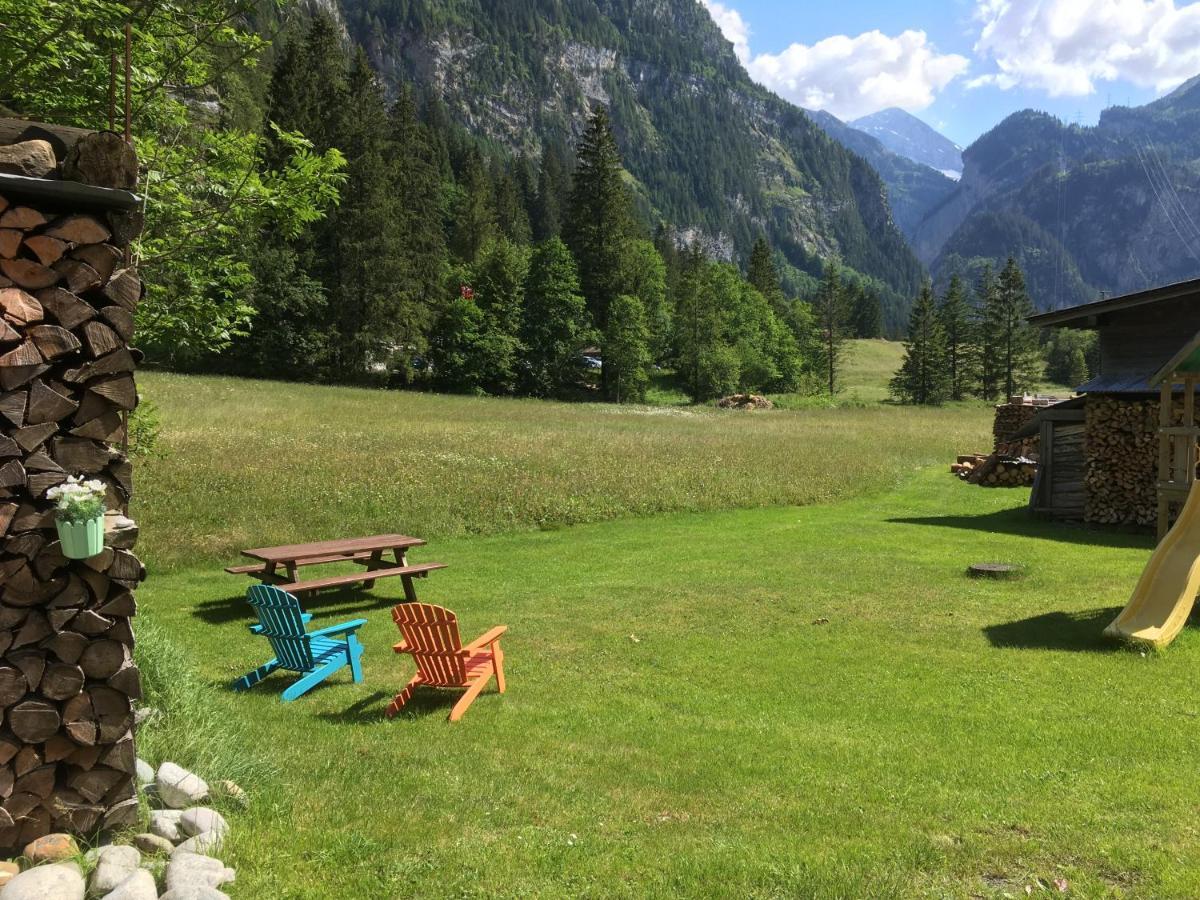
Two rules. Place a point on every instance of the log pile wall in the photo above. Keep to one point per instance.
(67, 676)
(1121, 448)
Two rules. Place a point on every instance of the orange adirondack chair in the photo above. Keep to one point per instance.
(431, 638)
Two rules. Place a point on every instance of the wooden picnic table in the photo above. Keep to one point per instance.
(366, 551)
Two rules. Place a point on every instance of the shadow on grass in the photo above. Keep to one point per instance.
(1018, 521)
(342, 603)
(1082, 631)
(425, 701)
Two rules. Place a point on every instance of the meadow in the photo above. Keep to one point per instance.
(771, 679)
(253, 463)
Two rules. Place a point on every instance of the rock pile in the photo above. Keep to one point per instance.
(173, 860)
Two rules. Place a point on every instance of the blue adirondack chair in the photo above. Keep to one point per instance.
(314, 655)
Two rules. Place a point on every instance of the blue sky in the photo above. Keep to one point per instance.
(963, 65)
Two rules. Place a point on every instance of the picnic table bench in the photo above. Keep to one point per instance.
(367, 552)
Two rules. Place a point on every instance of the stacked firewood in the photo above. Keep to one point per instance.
(996, 470)
(1121, 449)
(966, 464)
(1010, 418)
(67, 677)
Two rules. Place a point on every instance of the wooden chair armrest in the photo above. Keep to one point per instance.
(352, 625)
(489, 638)
(304, 617)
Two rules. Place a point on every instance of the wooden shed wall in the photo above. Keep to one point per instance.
(1136, 342)
(1059, 490)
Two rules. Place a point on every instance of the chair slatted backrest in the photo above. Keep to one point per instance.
(279, 614)
(431, 635)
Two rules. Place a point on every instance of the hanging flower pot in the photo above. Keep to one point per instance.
(79, 517)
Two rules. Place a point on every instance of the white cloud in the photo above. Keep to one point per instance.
(732, 25)
(848, 76)
(1065, 46)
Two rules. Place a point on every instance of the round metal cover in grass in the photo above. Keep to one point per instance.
(995, 570)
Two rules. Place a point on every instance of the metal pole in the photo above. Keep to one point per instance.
(128, 78)
(112, 91)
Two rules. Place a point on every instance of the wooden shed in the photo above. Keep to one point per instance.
(1058, 488)
(1120, 409)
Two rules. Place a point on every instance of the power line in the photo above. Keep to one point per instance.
(1166, 209)
(1150, 148)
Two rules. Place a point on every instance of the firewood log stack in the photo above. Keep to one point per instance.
(67, 677)
(996, 470)
(1010, 418)
(1121, 451)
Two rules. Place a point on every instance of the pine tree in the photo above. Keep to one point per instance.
(955, 316)
(600, 218)
(985, 338)
(309, 87)
(421, 241)
(552, 190)
(626, 350)
(829, 309)
(509, 202)
(1014, 341)
(923, 377)
(866, 313)
(764, 276)
(358, 241)
(555, 324)
(473, 211)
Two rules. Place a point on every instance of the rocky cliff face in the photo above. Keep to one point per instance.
(904, 134)
(1112, 209)
(709, 151)
(914, 189)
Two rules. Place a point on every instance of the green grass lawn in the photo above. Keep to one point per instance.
(804, 702)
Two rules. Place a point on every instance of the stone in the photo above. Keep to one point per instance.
(142, 713)
(165, 824)
(201, 819)
(145, 773)
(114, 864)
(209, 841)
(61, 881)
(178, 788)
(51, 848)
(33, 159)
(138, 886)
(152, 844)
(8, 871)
(195, 892)
(193, 870)
(228, 790)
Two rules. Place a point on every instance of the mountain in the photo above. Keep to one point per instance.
(707, 150)
(905, 134)
(913, 188)
(1110, 208)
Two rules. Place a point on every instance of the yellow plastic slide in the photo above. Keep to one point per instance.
(1164, 595)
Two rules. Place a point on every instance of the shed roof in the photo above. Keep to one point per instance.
(1034, 425)
(1085, 314)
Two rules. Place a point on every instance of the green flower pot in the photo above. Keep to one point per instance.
(83, 539)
